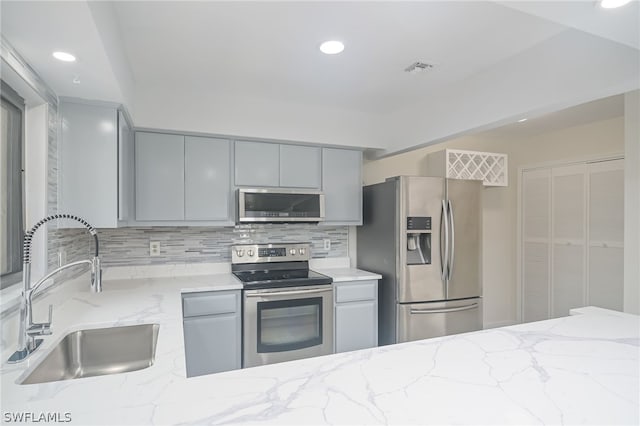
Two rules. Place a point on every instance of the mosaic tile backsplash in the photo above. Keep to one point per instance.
(130, 246)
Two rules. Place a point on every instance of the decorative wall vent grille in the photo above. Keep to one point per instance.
(489, 167)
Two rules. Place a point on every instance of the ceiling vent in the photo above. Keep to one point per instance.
(419, 67)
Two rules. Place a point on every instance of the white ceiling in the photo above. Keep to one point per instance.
(254, 68)
(601, 109)
(269, 50)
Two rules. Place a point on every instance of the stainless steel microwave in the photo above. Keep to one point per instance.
(279, 205)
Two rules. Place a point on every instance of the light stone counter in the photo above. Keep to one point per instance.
(348, 274)
(573, 370)
(339, 270)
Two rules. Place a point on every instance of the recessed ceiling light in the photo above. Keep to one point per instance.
(64, 56)
(522, 120)
(612, 4)
(332, 47)
(76, 79)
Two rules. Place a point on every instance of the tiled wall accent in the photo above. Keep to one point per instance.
(130, 246)
(52, 161)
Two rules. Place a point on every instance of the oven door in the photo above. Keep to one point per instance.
(284, 324)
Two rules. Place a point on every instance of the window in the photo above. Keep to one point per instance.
(11, 213)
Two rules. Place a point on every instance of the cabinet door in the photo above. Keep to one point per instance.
(342, 185)
(89, 164)
(569, 226)
(356, 325)
(257, 164)
(125, 169)
(159, 176)
(300, 166)
(606, 234)
(536, 233)
(207, 175)
(212, 344)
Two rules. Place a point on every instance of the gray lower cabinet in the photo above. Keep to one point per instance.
(212, 331)
(356, 315)
(342, 186)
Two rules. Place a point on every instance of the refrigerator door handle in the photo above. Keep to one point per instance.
(444, 310)
(453, 239)
(444, 258)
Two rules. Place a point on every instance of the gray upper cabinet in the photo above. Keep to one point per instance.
(207, 178)
(183, 180)
(125, 172)
(300, 166)
(277, 165)
(342, 186)
(159, 177)
(92, 183)
(257, 164)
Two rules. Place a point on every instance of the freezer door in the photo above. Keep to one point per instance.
(465, 216)
(420, 197)
(425, 320)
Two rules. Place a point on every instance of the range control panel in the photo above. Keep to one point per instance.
(263, 253)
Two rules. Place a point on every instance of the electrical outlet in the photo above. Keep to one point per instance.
(154, 248)
(327, 244)
(62, 257)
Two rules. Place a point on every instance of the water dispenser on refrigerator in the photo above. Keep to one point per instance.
(418, 240)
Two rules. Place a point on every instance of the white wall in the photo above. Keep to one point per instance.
(204, 111)
(632, 203)
(500, 203)
(36, 139)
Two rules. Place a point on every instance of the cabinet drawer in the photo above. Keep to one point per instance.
(209, 303)
(356, 290)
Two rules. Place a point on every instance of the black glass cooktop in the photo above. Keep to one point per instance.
(281, 278)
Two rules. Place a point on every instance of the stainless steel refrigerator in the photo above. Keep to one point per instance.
(424, 236)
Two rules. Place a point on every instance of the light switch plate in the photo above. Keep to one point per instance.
(154, 248)
(327, 244)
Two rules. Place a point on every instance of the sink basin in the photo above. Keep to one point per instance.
(96, 352)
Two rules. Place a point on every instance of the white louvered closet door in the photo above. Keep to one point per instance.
(568, 235)
(606, 234)
(536, 234)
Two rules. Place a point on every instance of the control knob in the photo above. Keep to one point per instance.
(292, 252)
(240, 252)
(250, 252)
(301, 251)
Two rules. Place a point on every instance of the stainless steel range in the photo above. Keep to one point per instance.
(287, 308)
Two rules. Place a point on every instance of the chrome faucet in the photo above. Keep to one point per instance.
(27, 342)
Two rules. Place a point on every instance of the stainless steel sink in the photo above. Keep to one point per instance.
(96, 352)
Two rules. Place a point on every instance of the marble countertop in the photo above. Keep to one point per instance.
(579, 369)
(340, 270)
(348, 274)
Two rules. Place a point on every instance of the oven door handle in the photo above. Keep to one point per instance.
(286, 293)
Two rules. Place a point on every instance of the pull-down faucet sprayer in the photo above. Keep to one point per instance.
(27, 343)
